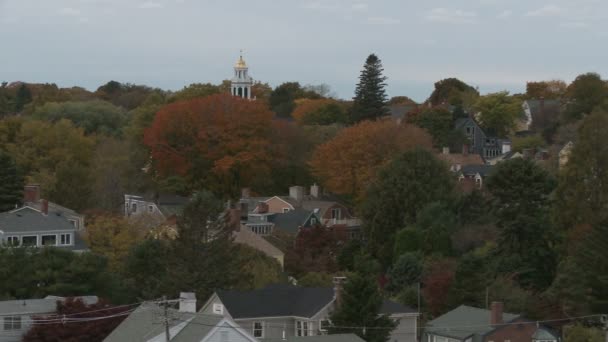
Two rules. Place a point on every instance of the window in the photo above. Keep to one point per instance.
(134, 207)
(150, 208)
(336, 214)
(285, 210)
(65, 239)
(29, 241)
(12, 241)
(218, 309)
(324, 325)
(303, 328)
(258, 329)
(313, 221)
(12, 323)
(469, 130)
(49, 240)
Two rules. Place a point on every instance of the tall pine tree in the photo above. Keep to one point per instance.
(370, 97)
(359, 311)
(11, 184)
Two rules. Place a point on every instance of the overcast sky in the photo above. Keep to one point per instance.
(492, 44)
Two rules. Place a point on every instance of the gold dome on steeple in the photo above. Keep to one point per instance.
(241, 62)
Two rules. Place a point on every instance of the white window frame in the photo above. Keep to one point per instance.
(65, 239)
(74, 223)
(336, 214)
(327, 321)
(260, 329)
(10, 242)
(313, 221)
(27, 236)
(150, 208)
(12, 323)
(133, 207)
(285, 210)
(303, 328)
(42, 239)
(218, 309)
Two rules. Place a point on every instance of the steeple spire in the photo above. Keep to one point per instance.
(241, 82)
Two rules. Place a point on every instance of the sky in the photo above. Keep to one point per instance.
(491, 44)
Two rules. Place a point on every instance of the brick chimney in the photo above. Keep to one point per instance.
(44, 207)
(338, 289)
(496, 313)
(31, 193)
(465, 150)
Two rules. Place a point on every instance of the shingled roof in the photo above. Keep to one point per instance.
(464, 321)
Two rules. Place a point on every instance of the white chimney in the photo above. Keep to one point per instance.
(314, 190)
(296, 193)
(506, 147)
(446, 150)
(187, 302)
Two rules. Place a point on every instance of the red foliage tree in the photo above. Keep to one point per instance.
(315, 250)
(219, 141)
(70, 331)
(437, 280)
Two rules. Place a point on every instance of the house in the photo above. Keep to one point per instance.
(540, 114)
(31, 227)
(286, 311)
(473, 176)
(18, 315)
(153, 210)
(263, 222)
(481, 143)
(327, 210)
(321, 338)
(469, 324)
(146, 323)
(456, 161)
(31, 198)
(245, 236)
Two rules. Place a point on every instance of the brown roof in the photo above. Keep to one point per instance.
(462, 159)
(247, 237)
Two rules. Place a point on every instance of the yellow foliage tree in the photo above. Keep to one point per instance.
(347, 163)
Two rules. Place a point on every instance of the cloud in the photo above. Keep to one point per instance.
(150, 5)
(546, 11)
(383, 20)
(359, 7)
(504, 14)
(69, 12)
(450, 16)
(574, 25)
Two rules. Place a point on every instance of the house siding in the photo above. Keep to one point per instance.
(15, 335)
(276, 205)
(515, 333)
(231, 333)
(406, 330)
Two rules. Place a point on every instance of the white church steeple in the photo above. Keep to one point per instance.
(241, 83)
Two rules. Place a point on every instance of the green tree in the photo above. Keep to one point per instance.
(498, 112)
(454, 92)
(406, 271)
(195, 90)
(410, 182)
(11, 184)
(326, 115)
(585, 93)
(583, 184)
(470, 281)
(438, 122)
(93, 116)
(316, 279)
(360, 307)
(581, 333)
(282, 99)
(370, 101)
(520, 190)
(146, 269)
(592, 259)
(23, 97)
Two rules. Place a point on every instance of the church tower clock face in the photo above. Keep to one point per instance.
(241, 82)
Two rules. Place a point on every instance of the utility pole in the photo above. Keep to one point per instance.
(166, 314)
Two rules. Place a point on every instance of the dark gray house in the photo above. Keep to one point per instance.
(285, 311)
(30, 227)
(485, 145)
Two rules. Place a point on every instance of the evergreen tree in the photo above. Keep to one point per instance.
(11, 184)
(23, 97)
(370, 97)
(359, 311)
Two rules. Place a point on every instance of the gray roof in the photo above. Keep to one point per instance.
(292, 220)
(400, 111)
(145, 321)
(198, 328)
(483, 170)
(27, 219)
(321, 338)
(287, 300)
(544, 334)
(464, 321)
(37, 306)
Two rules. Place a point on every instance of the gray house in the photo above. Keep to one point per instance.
(285, 311)
(153, 210)
(30, 227)
(17, 315)
(485, 145)
(146, 323)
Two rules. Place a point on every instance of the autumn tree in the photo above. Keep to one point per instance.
(454, 92)
(585, 93)
(498, 112)
(219, 141)
(11, 184)
(554, 89)
(126, 95)
(437, 278)
(195, 90)
(319, 112)
(315, 250)
(349, 162)
(95, 330)
(370, 101)
(283, 97)
(402, 188)
(22, 97)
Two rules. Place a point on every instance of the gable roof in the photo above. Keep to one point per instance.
(461, 159)
(37, 306)
(482, 170)
(286, 300)
(247, 237)
(27, 219)
(321, 338)
(464, 321)
(292, 220)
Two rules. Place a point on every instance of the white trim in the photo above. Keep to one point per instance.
(233, 326)
(24, 207)
(253, 329)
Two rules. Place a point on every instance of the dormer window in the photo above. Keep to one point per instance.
(150, 208)
(218, 309)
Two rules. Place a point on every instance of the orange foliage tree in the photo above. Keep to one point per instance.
(347, 163)
(306, 108)
(218, 142)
